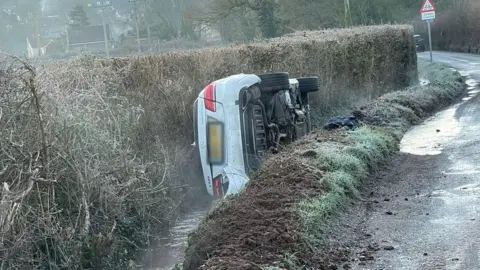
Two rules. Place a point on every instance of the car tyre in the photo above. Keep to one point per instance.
(308, 84)
(272, 82)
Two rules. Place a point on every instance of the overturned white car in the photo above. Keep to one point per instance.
(238, 119)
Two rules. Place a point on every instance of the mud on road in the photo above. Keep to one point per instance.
(422, 211)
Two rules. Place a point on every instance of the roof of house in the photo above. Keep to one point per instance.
(33, 41)
(87, 34)
(53, 32)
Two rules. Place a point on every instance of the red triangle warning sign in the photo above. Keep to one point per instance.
(427, 6)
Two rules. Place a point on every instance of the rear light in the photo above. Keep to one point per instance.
(220, 185)
(209, 97)
(217, 186)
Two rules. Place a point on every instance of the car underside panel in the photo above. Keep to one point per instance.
(255, 136)
(278, 110)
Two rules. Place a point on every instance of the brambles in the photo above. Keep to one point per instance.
(76, 189)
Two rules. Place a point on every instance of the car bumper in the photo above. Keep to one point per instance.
(237, 180)
(226, 177)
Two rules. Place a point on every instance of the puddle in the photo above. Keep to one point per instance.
(473, 92)
(466, 165)
(424, 82)
(471, 82)
(473, 71)
(463, 172)
(431, 136)
(472, 89)
(463, 73)
(171, 249)
(470, 187)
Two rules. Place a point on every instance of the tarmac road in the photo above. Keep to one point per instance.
(423, 210)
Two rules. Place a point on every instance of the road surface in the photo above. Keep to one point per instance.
(423, 210)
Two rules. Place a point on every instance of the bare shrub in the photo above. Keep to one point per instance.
(76, 191)
(457, 28)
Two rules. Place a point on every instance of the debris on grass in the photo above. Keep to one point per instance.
(341, 121)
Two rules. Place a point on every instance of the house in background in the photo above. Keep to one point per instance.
(50, 29)
(33, 50)
(87, 37)
(54, 32)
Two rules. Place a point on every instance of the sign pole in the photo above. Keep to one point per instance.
(103, 7)
(428, 15)
(430, 40)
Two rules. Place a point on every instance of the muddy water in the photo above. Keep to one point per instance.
(171, 249)
(430, 137)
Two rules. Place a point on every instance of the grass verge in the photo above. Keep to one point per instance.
(277, 221)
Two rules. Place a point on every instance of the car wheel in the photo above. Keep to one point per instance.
(272, 82)
(308, 84)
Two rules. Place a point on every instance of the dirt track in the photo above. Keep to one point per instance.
(423, 210)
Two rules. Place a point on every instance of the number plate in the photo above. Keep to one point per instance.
(215, 142)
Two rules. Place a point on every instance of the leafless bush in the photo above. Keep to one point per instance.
(457, 28)
(76, 191)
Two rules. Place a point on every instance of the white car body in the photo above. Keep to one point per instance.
(228, 175)
(227, 112)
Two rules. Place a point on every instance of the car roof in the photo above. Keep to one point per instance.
(236, 77)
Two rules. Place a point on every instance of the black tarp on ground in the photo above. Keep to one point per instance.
(341, 121)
